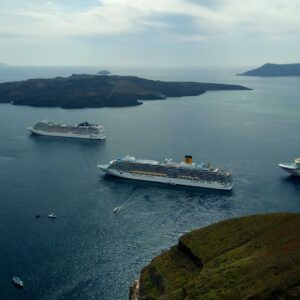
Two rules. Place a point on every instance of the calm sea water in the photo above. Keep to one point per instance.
(89, 252)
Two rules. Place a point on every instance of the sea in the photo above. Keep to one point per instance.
(89, 252)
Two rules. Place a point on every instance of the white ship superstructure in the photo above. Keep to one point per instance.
(292, 168)
(83, 130)
(185, 173)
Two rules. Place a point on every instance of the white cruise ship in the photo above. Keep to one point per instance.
(82, 130)
(292, 168)
(185, 173)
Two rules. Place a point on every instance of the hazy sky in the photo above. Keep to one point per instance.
(149, 32)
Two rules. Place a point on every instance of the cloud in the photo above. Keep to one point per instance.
(263, 16)
(209, 19)
(193, 38)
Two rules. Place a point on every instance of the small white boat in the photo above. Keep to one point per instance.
(52, 216)
(17, 282)
(116, 209)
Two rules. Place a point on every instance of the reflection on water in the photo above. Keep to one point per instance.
(293, 181)
(90, 252)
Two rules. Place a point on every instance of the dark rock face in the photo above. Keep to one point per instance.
(255, 257)
(80, 91)
(188, 252)
(275, 70)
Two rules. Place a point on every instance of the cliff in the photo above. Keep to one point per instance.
(275, 70)
(255, 257)
(80, 91)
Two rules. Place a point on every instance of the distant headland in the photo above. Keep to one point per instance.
(254, 257)
(274, 70)
(3, 65)
(103, 72)
(82, 91)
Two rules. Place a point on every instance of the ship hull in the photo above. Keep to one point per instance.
(291, 170)
(68, 135)
(166, 180)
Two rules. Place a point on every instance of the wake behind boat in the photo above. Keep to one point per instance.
(83, 130)
(185, 173)
(291, 168)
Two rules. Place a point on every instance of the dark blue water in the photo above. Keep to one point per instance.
(90, 253)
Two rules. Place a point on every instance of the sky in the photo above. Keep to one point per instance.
(149, 33)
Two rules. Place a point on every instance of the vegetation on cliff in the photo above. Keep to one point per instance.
(79, 91)
(275, 70)
(255, 257)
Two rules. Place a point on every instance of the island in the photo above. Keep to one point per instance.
(103, 72)
(274, 70)
(3, 65)
(253, 257)
(81, 91)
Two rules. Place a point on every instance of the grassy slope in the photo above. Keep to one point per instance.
(256, 257)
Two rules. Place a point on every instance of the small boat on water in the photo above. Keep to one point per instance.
(292, 168)
(17, 282)
(116, 209)
(52, 216)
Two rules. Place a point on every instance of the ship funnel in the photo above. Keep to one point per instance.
(188, 159)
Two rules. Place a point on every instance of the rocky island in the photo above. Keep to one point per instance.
(254, 257)
(81, 91)
(274, 70)
(103, 72)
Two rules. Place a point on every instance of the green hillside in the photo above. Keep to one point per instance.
(255, 257)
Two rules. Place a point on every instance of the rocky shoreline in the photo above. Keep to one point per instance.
(134, 290)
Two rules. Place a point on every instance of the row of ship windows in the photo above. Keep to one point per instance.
(180, 177)
(74, 132)
(170, 171)
(176, 174)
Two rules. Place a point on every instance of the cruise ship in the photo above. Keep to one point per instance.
(292, 168)
(82, 130)
(185, 173)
